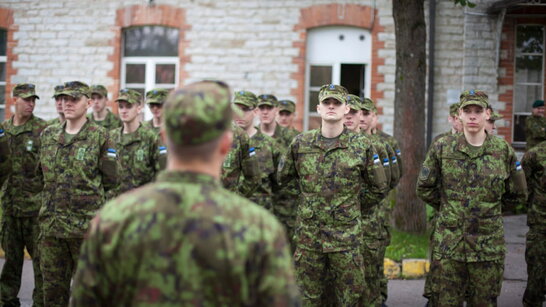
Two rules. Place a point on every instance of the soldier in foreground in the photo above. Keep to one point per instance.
(331, 165)
(20, 196)
(534, 165)
(137, 146)
(101, 115)
(468, 177)
(535, 125)
(155, 99)
(197, 243)
(58, 106)
(79, 167)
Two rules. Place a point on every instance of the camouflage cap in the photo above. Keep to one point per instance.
(473, 97)
(368, 105)
(454, 109)
(538, 103)
(198, 113)
(57, 90)
(245, 98)
(495, 116)
(98, 89)
(335, 91)
(287, 105)
(25, 90)
(354, 102)
(157, 95)
(129, 95)
(75, 89)
(267, 100)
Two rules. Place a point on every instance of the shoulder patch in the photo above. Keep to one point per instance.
(162, 150)
(111, 152)
(2, 133)
(425, 172)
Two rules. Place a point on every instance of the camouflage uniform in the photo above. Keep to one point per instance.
(55, 121)
(330, 175)
(197, 243)
(138, 152)
(534, 165)
(155, 96)
(20, 199)
(240, 164)
(468, 242)
(76, 176)
(5, 162)
(535, 130)
(110, 122)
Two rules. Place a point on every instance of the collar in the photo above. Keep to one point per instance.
(187, 177)
(81, 135)
(15, 130)
(341, 142)
(463, 146)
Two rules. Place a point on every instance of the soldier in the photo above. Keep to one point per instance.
(137, 146)
(267, 111)
(535, 125)
(534, 166)
(331, 165)
(262, 147)
(286, 116)
(467, 177)
(101, 115)
(205, 245)
(5, 162)
(155, 99)
(20, 196)
(79, 166)
(58, 106)
(453, 119)
(490, 126)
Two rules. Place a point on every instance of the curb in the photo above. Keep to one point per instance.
(409, 268)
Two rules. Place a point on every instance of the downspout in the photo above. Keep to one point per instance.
(430, 85)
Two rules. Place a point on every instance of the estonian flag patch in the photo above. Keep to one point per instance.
(375, 159)
(518, 166)
(111, 153)
(162, 150)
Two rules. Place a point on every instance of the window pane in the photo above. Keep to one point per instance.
(529, 68)
(519, 127)
(321, 75)
(164, 73)
(530, 39)
(3, 42)
(525, 96)
(135, 73)
(313, 101)
(2, 97)
(150, 41)
(2, 71)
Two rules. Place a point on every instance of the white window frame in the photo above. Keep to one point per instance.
(541, 83)
(149, 77)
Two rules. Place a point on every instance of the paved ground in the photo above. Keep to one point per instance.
(408, 292)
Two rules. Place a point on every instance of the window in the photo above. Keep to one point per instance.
(529, 77)
(150, 59)
(3, 64)
(339, 55)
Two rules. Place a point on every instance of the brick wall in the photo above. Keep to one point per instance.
(6, 22)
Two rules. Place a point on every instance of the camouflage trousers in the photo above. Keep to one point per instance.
(284, 211)
(373, 254)
(59, 261)
(535, 253)
(453, 282)
(16, 234)
(345, 269)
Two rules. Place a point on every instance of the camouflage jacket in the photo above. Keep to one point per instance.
(394, 145)
(468, 186)
(150, 124)
(184, 240)
(284, 136)
(534, 165)
(138, 158)
(54, 121)
(110, 122)
(239, 163)
(330, 179)
(5, 162)
(76, 176)
(535, 130)
(264, 150)
(20, 196)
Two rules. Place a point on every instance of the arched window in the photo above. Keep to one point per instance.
(150, 59)
(3, 68)
(339, 55)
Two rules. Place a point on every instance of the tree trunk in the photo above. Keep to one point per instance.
(409, 103)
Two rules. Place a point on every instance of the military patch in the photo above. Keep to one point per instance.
(386, 162)
(162, 150)
(394, 160)
(140, 155)
(30, 144)
(80, 155)
(518, 166)
(425, 172)
(2, 133)
(111, 153)
(375, 159)
(252, 151)
(398, 152)
(281, 164)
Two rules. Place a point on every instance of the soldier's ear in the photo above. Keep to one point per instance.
(225, 143)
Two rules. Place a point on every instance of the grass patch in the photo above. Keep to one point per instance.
(405, 245)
